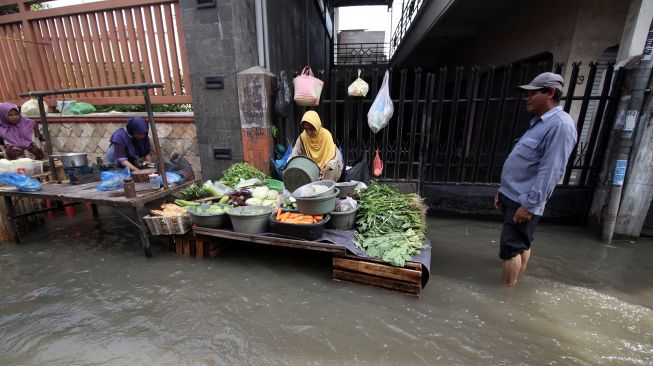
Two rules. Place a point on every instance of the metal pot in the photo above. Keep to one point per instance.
(299, 171)
(71, 160)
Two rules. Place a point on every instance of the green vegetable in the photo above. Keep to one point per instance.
(391, 225)
(194, 192)
(224, 199)
(238, 171)
(210, 188)
(261, 192)
(183, 203)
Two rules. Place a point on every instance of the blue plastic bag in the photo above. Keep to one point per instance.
(173, 178)
(280, 165)
(20, 181)
(113, 180)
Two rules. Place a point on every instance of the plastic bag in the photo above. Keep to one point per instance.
(113, 180)
(359, 87)
(173, 178)
(359, 171)
(31, 108)
(280, 164)
(21, 181)
(346, 205)
(79, 108)
(308, 88)
(283, 103)
(179, 165)
(382, 109)
(377, 165)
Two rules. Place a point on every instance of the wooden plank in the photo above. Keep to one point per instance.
(268, 240)
(199, 248)
(25, 67)
(116, 61)
(182, 50)
(5, 65)
(160, 33)
(186, 246)
(65, 54)
(100, 65)
(126, 61)
(172, 46)
(82, 60)
(377, 282)
(43, 49)
(410, 265)
(153, 48)
(87, 40)
(379, 270)
(179, 246)
(142, 44)
(132, 39)
(108, 53)
(15, 62)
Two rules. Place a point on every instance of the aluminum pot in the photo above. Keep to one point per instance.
(299, 171)
(318, 205)
(71, 160)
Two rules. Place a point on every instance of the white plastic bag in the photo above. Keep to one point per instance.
(359, 87)
(31, 108)
(382, 109)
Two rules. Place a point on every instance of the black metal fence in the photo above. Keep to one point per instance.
(361, 53)
(459, 124)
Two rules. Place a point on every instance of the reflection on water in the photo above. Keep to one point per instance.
(82, 293)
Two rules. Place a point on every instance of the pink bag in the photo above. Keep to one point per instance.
(307, 88)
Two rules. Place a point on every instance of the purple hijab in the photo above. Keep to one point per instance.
(18, 135)
(125, 138)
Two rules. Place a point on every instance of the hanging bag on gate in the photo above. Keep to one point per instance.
(382, 109)
(359, 87)
(308, 88)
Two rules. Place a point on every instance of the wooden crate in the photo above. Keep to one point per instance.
(199, 246)
(378, 274)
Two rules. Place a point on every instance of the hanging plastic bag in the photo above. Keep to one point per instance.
(113, 180)
(31, 108)
(21, 181)
(359, 87)
(283, 103)
(80, 108)
(377, 165)
(280, 164)
(382, 109)
(308, 88)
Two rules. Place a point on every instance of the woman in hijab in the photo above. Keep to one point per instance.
(16, 131)
(317, 144)
(130, 144)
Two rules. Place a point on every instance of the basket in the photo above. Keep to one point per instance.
(168, 225)
(275, 185)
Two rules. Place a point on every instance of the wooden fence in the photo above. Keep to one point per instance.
(97, 44)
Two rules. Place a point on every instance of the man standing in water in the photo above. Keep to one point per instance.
(532, 170)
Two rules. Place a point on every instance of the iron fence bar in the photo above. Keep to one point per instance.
(452, 121)
(320, 107)
(413, 123)
(334, 90)
(600, 110)
(471, 87)
(386, 133)
(572, 86)
(426, 124)
(581, 120)
(436, 125)
(517, 109)
(400, 121)
(507, 73)
(483, 119)
(347, 117)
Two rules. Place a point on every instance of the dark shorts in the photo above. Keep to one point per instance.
(515, 238)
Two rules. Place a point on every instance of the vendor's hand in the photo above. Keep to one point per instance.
(521, 215)
(497, 201)
(324, 170)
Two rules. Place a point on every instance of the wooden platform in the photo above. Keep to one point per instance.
(190, 245)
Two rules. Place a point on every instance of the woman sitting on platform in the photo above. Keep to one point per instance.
(16, 131)
(317, 144)
(130, 145)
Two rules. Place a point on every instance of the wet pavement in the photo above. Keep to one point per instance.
(81, 293)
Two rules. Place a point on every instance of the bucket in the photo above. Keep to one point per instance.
(250, 219)
(342, 220)
(300, 171)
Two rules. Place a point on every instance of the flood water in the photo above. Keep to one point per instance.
(80, 292)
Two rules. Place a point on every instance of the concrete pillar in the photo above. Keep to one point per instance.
(255, 88)
(638, 20)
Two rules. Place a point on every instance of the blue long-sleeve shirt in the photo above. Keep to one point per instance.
(538, 160)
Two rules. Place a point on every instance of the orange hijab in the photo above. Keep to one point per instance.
(320, 149)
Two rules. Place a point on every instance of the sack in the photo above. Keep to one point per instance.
(179, 165)
(382, 109)
(21, 181)
(113, 180)
(307, 88)
(283, 103)
(377, 165)
(359, 171)
(280, 164)
(31, 108)
(359, 87)
(79, 108)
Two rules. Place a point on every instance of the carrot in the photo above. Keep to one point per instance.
(278, 213)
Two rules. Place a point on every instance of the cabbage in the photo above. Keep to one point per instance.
(260, 192)
(254, 202)
(270, 203)
(272, 194)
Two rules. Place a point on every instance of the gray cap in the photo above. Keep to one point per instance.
(545, 80)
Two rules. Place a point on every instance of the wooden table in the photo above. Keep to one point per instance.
(88, 193)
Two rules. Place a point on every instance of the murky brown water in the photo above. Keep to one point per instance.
(82, 293)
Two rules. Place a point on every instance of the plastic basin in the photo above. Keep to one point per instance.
(315, 189)
(211, 221)
(300, 171)
(301, 231)
(318, 205)
(245, 221)
(346, 188)
(342, 220)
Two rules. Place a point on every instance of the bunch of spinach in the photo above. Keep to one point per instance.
(391, 225)
(235, 172)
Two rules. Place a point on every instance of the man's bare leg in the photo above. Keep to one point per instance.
(525, 255)
(511, 269)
